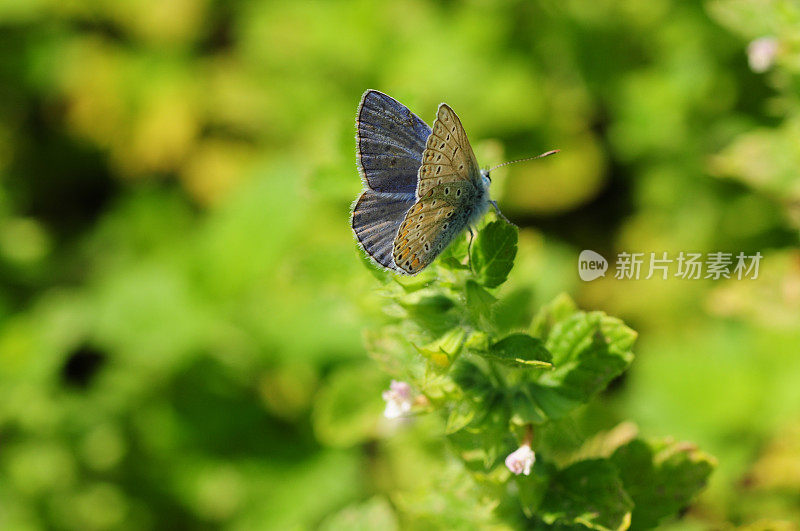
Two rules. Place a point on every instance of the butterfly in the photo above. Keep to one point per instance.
(422, 185)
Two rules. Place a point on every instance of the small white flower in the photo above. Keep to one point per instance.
(761, 53)
(521, 460)
(398, 400)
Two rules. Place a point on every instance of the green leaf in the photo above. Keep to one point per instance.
(493, 253)
(444, 350)
(533, 488)
(457, 250)
(470, 378)
(483, 442)
(440, 496)
(524, 410)
(428, 304)
(479, 304)
(589, 350)
(514, 311)
(462, 413)
(375, 513)
(588, 493)
(661, 477)
(555, 311)
(415, 283)
(519, 350)
(452, 263)
(432, 311)
(477, 340)
(554, 404)
(604, 443)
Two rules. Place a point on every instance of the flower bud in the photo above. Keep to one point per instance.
(398, 400)
(521, 460)
(761, 53)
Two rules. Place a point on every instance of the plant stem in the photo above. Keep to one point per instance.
(528, 435)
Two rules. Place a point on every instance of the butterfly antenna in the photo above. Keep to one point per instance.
(545, 154)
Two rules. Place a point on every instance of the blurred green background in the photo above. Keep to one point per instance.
(182, 300)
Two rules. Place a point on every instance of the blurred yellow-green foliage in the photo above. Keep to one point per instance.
(182, 299)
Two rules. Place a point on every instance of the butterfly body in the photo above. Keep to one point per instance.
(423, 186)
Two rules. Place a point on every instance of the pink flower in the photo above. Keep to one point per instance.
(761, 53)
(521, 460)
(398, 400)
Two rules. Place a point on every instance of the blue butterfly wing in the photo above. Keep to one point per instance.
(376, 218)
(390, 142)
